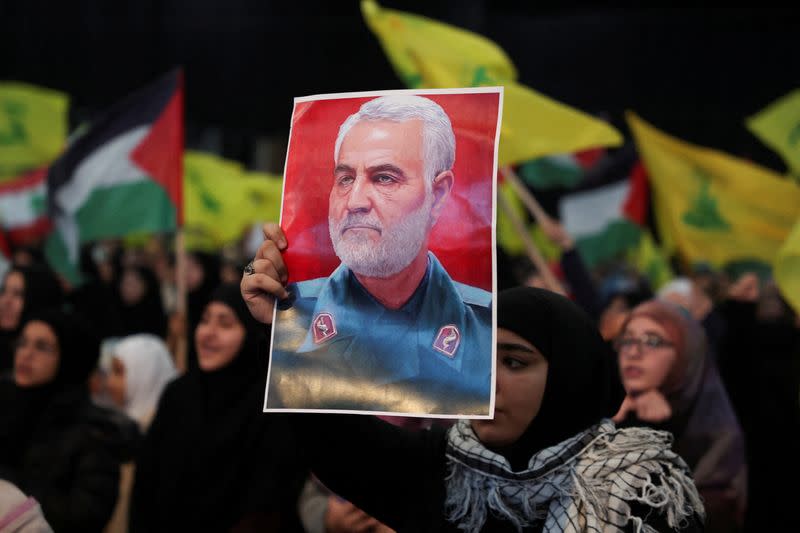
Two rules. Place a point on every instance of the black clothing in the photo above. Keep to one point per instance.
(67, 456)
(212, 459)
(583, 385)
(146, 315)
(399, 476)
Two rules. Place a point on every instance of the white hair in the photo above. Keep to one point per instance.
(438, 139)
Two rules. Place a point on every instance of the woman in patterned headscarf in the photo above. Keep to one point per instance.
(549, 460)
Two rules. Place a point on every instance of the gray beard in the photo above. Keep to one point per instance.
(397, 247)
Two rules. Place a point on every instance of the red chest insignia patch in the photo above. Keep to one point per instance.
(323, 327)
(447, 340)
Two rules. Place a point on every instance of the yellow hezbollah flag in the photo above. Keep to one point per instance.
(221, 200)
(430, 54)
(33, 127)
(787, 268)
(778, 126)
(261, 197)
(210, 195)
(713, 207)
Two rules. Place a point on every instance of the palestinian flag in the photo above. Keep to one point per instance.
(5, 256)
(123, 175)
(561, 170)
(609, 224)
(606, 220)
(23, 208)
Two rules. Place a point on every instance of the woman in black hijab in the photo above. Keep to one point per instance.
(54, 444)
(212, 461)
(141, 310)
(25, 290)
(549, 460)
(202, 278)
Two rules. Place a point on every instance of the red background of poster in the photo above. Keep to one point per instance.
(461, 238)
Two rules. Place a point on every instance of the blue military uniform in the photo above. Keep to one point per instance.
(336, 347)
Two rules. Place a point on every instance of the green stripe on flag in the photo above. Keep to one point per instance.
(142, 206)
(617, 238)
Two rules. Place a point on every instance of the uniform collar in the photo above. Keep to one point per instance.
(355, 314)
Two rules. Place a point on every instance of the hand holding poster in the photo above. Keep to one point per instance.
(388, 212)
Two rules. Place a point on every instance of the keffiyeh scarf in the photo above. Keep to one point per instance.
(585, 483)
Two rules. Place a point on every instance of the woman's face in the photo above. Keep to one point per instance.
(131, 288)
(37, 355)
(12, 300)
(646, 355)
(115, 383)
(218, 337)
(194, 273)
(521, 379)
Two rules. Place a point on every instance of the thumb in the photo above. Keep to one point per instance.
(624, 409)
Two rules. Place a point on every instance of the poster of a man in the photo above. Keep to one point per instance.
(388, 213)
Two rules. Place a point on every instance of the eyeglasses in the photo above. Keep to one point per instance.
(645, 343)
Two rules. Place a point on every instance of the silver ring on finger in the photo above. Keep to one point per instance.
(249, 269)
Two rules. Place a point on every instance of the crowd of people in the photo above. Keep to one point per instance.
(618, 408)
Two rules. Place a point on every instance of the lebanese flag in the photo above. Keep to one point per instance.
(123, 175)
(23, 208)
(607, 221)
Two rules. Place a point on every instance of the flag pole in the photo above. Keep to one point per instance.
(525, 195)
(181, 344)
(534, 254)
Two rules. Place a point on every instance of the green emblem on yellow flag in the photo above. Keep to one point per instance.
(703, 213)
(196, 185)
(712, 207)
(15, 132)
(33, 127)
(221, 200)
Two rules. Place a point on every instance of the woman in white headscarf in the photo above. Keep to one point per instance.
(140, 370)
(141, 367)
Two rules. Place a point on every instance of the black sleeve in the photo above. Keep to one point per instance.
(87, 504)
(393, 474)
(734, 359)
(142, 515)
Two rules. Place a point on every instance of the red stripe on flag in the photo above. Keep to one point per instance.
(587, 158)
(28, 180)
(161, 152)
(5, 249)
(635, 207)
(31, 233)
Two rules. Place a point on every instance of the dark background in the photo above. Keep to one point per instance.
(693, 72)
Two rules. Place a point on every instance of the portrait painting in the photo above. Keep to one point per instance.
(389, 214)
